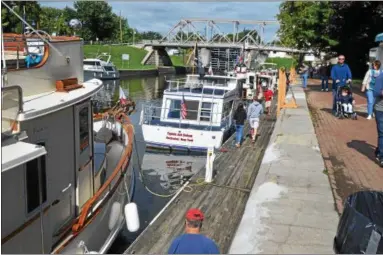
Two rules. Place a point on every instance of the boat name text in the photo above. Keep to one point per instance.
(179, 137)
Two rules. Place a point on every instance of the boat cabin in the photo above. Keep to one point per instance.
(198, 104)
(51, 167)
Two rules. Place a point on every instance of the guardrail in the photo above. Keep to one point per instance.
(180, 85)
(151, 115)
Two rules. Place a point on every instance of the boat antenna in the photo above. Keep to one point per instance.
(34, 30)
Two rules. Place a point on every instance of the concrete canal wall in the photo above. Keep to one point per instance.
(156, 72)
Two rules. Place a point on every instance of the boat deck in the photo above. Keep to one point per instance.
(223, 201)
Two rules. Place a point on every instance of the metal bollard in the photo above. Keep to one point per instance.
(209, 164)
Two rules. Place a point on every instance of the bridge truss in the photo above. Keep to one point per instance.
(189, 30)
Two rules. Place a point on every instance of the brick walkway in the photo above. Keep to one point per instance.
(347, 145)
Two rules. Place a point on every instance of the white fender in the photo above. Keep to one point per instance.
(131, 217)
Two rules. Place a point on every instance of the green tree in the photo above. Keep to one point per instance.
(151, 35)
(50, 19)
(98, 20)
(354, 25)
(346, 28)
(305, 24)
(14, 24)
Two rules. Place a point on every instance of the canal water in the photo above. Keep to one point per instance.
(163, 174)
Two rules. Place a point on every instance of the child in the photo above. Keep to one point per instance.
(347, 100)
(268, 95)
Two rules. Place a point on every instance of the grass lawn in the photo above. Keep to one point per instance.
(178, 60)
(286, 62)
(136, 55)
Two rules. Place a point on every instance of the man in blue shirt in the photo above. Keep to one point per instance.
(192, 242)
(378, 107)
(340, 75)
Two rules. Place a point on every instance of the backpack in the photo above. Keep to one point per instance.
(374, 74)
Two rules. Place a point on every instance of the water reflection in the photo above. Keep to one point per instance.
(162, 174)
(140, 89)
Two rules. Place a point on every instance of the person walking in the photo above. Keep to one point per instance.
(368, 86)
(268, 95)
(254, 112)
(304, 71)
(340, 75)
(192, 242)
(323, 72)
(378, 108)
(239, 117)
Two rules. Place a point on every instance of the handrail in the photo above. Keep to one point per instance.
(194, 85)
(124, 161)
(148, 115)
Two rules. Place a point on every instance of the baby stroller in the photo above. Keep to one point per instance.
(340, 111)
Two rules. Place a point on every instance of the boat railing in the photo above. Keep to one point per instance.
(191, 85)
(24, 51)
(205, 117)
(11, 106)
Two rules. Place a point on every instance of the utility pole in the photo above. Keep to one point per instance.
(24, 17)
(120, 28)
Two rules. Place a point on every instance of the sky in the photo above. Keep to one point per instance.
(162, 16)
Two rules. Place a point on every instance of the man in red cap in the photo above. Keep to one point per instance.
(192, 242)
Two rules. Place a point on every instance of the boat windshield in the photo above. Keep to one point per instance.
(11, 105)
(109, 68)
(92, 63)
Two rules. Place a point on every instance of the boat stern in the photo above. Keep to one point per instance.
(172, 138)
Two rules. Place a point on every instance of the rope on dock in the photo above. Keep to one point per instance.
(188, 188)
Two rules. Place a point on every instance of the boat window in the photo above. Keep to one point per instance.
(227, 108)
(84, 128)
(251, 79)
(192, 108)
(109, 68)
(92, 63)
(174, 109)
(205, 111)
(99, 156)
(218, 92)
(32, 182)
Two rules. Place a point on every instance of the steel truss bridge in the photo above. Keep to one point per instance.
(185, 34)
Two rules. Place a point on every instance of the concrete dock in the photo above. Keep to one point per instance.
(291, 206)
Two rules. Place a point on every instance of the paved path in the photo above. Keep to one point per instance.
(291, 206)
(347, 146)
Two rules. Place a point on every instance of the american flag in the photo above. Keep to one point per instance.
(183, 108)
(122, 97)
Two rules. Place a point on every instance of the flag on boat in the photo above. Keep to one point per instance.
(183, 108)
(122, 96)
(211, 70)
